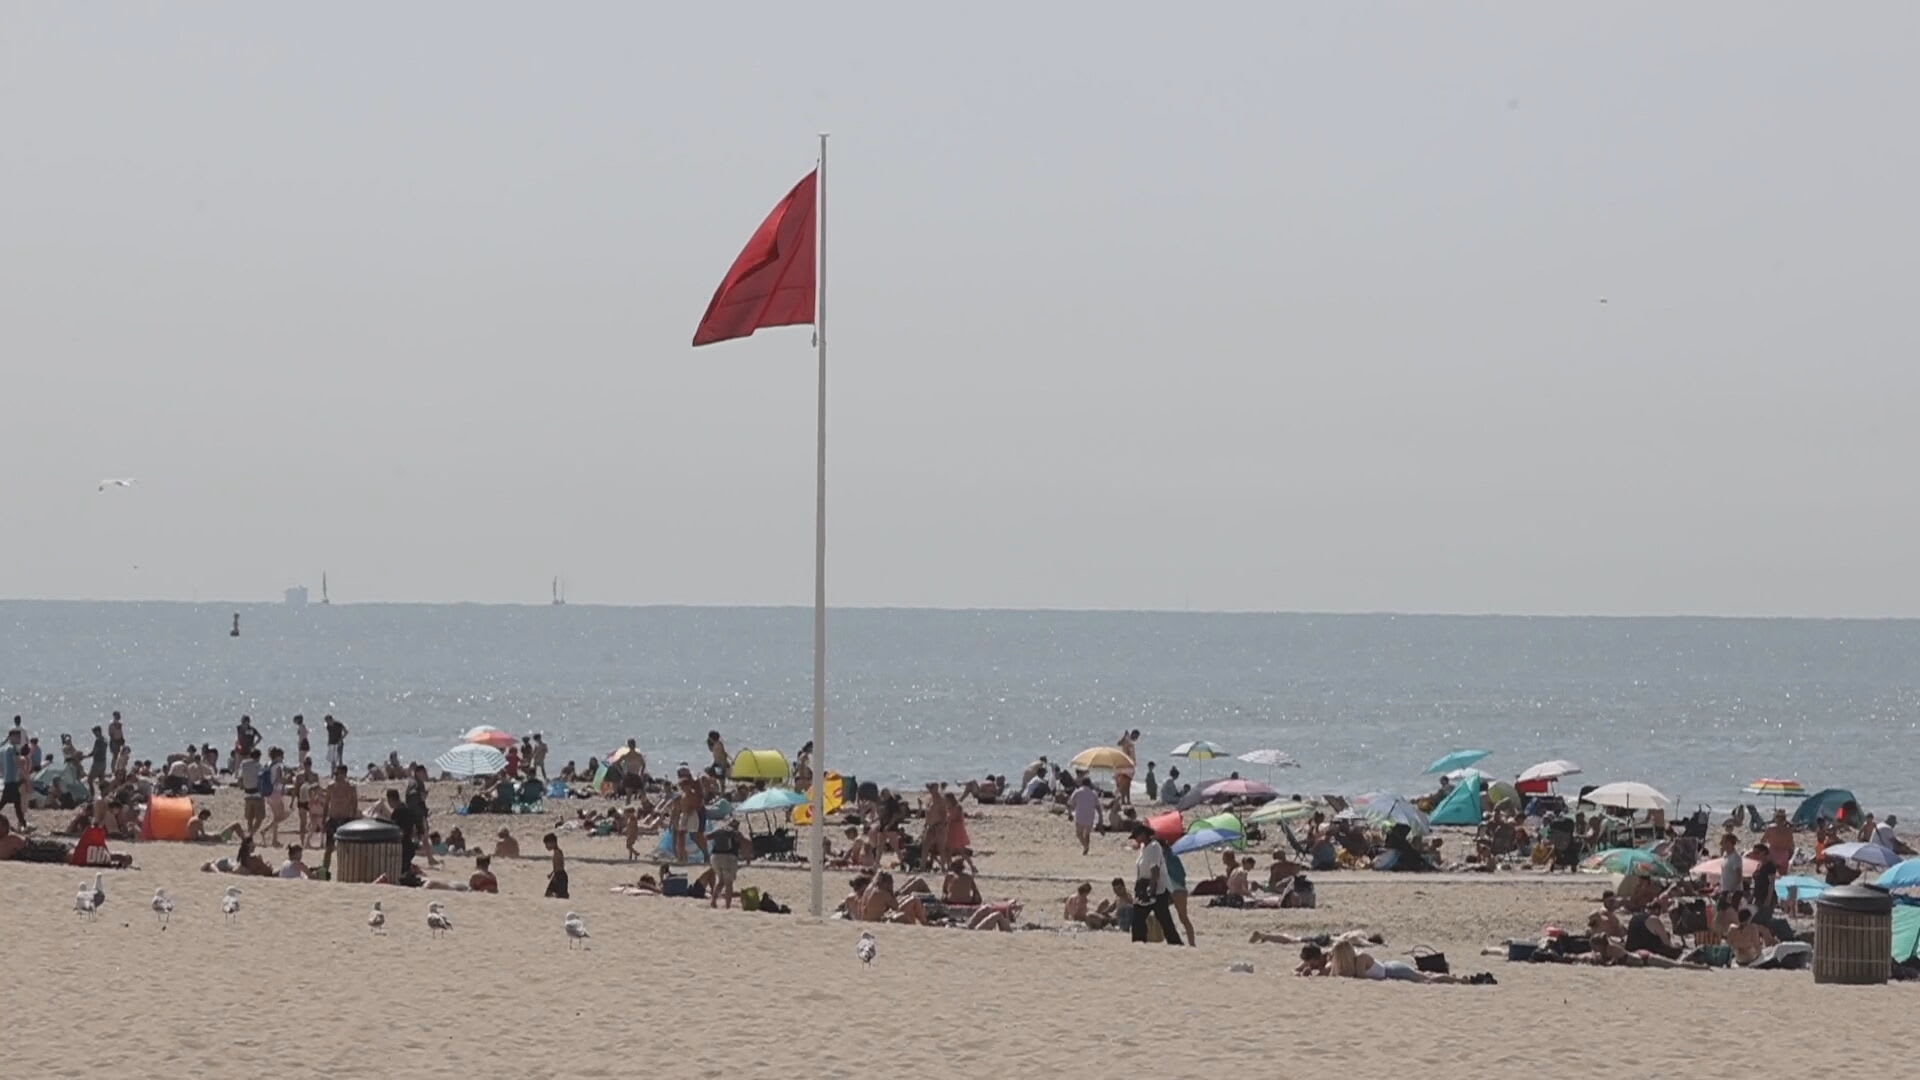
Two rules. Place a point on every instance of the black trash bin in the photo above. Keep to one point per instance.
(364, 849)
(1853, 936)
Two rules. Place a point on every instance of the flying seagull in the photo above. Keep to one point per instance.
(162, 907)
(438, 922)
(116, 482)
(230, 903)
(866, 948)
(377, 921)
(576, 931)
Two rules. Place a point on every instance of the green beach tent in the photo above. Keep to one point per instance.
(1461, 806)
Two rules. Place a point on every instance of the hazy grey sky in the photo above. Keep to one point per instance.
(1235, 305)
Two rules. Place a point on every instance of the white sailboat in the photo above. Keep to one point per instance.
(323, 588)
(559, 593)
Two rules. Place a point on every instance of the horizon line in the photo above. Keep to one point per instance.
(990, 610)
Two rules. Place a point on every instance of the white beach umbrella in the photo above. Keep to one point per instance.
(1271, 758)
(1628, 795)
(1550, 770)
(472, 759)
(1864, 854)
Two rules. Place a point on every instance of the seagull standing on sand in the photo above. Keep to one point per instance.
(117, 482)
(438, 922)
(866, 948)
(230, 903)
(377, 922)
(83, 901)
(576, 931)
(162, 907)
(99, 892)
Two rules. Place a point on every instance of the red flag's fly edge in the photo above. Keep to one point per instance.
(771, 283)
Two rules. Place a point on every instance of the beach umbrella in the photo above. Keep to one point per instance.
(1626, 860)
(1218, 822)
(470, 759)
(1458, 775)
(1864, 854)
(1384, 807)
(1776, 789)
(1901, 875)
(1208, 838)
(1280, 810)
(1102, 757)
(1709, 869)
(1549, 771)
(778, 798)
(1628, 795)
(1199, 750)
(1271, 759)
(488, 735)
(1809, 888)
(1239, 788)
(1456, 759)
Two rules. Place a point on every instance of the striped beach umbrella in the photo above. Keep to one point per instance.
(1777, 788)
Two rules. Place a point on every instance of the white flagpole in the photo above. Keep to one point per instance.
(816, 840)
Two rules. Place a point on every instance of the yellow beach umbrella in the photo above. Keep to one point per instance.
(1102, 757)
(760, 765)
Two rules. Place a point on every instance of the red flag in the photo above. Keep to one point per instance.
(771, 283)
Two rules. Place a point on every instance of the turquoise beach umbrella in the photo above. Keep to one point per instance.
(1458, 759)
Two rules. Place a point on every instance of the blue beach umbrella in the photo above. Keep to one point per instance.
(1810, 887)
(1207, 838)
(772, 799)
(1458, 759)
(1901, 875)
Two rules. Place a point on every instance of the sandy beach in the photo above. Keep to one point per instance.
(297, 985)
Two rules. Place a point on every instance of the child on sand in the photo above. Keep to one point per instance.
(631, 828)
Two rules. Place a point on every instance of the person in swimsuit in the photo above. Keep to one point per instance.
(724, 850)
(483, 879)
(933, 838)
(343, 805)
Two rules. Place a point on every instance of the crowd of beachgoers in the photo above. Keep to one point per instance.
(1686, 891)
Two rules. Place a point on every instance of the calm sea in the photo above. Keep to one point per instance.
(1694, 706)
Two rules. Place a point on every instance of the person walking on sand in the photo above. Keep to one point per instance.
(255, 814)
(12, 769)
(273, 788)
(557, 877)
(1152, 891)
(1084, 804)
(724, 856)
(97, 764)
(336, 742)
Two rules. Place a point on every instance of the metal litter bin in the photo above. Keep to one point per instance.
(365, 848)
(1853, 936)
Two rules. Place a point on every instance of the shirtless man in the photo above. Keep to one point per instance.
(1237, 879)
(343, 805)
(959, 886)
(1748, 938)
(1079, 909)
(1779, 840)
(878, 904)
(505, 846)
(689, 817)
(1607, 919)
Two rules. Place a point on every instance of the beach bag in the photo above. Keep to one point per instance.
(1430, 960)
(750, 898)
